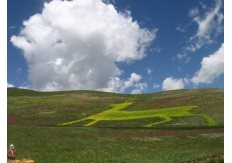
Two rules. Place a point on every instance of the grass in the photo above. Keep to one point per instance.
(165, 114)
(86, 144)
(33, 119)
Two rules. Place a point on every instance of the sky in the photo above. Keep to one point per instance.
(122, 46)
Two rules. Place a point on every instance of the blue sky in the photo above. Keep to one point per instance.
(124, 46)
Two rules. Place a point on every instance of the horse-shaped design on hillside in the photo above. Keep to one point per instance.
(166, 114)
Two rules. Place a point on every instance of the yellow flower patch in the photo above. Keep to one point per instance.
(167, 114)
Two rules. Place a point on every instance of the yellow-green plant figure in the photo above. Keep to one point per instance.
(116, 113)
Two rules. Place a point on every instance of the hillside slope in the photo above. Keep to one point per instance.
(26, 107)
(95, 127)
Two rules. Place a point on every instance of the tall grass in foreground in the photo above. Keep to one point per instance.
(85, 144)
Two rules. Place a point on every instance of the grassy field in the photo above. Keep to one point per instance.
(34, 119)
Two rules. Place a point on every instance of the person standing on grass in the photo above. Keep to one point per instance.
(11, 153)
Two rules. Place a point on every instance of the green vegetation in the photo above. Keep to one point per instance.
(33, 118)
(166, 114)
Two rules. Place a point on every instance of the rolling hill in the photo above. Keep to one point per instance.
(92, 126)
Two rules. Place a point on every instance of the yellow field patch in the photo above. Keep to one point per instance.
(167, 114)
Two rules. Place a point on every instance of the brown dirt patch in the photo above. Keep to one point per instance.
(39, 122)
(13, 120)
(73, 111)
(32, 107)
(208, 159)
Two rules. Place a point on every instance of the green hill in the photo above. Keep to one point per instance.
(92, 126)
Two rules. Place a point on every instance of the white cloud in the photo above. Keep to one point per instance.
(118, 85)
(149, 71)
(10, 85)
(211, 67)
(156, 85)
(183, 57)
(186, 81)
(12, 27)
(113, 85)
(172, 84)
(193, 12)
(75, 45)
(19, 70)
(181, 29)
(108, 1)
(136, 91)
(210, 24)
(203, 5)
(158, 50)
(190, 47)
(130, 82)
(139, 88)
(24, 87)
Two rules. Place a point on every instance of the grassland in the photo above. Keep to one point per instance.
(33, 119)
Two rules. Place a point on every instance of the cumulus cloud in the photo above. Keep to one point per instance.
(113, 85)
(24, 87)
(135, 78)
(211, 67)
(136, 91)
(139, 88)
(172, 84)
(118, 85)
(108, 1)
(76, 44)
(186, 80)
(10, 85)
(156, 85)
(209, 26)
